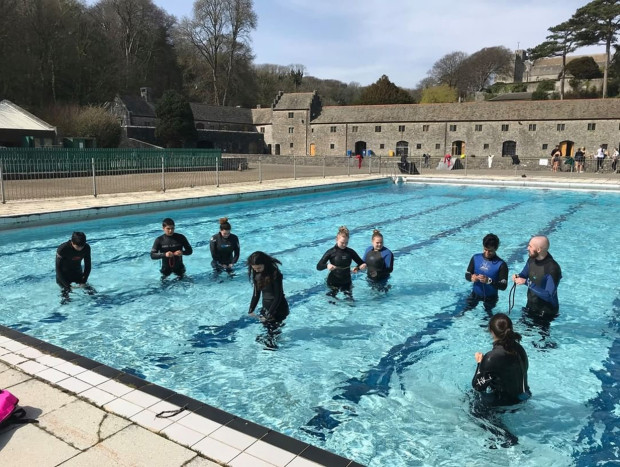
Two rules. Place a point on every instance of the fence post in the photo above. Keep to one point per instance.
(323, 166)
(92, 163)
(260, 171)
(2, 181)
(163, 175)
(217, 173)
(294, 167)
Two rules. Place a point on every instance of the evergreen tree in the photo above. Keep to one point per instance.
(384, 92)
(175, 120)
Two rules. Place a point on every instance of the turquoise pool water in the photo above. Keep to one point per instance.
(384, 379)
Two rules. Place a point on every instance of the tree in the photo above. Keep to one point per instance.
(175, 120)
(96, 122)
(584, 68)
(219, 35)
(446, 70)
(559, 43)
(439, 94)
(598, 22)
(479, 69)
(384, 92)
(296, 72)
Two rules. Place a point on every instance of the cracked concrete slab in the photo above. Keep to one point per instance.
(29, 445)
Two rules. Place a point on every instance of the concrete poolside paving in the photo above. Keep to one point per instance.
(92, 415)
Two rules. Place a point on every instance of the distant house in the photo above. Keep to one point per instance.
(19, 128)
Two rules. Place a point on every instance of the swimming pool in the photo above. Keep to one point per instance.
(383, 380)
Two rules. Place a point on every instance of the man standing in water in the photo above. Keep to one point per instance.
(489, 273)
(69, 258)
(170, 248)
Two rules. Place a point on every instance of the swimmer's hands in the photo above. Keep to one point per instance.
(363, 266)
(518, 280)
(478, 356)
(355, 269)
(480, 278)
(170, 254)
(330, 267)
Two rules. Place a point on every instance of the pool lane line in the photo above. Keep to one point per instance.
(604, 451)
(376, 380)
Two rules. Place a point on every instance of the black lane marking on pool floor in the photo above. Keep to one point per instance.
(267, 435)
(376, 380)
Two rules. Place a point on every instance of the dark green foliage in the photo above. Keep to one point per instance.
(542, 90)
(384, 92)
(175, 121)
(584, 68)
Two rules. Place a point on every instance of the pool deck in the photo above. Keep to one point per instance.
(92, 415)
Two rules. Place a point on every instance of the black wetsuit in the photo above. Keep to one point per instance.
(165, 243)
(275, 307)
(543, 277)
(339, 278)
(224, 251)
(379, 264)
(505, 374)
(69, 265)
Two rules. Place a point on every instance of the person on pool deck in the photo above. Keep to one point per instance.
(338, 261)
(224, 247)
(170, 248)
(542, 276)
(489, 273)
(379, 260)
(69, 257)
(503, 370)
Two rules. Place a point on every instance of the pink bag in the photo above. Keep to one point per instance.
(9, 411)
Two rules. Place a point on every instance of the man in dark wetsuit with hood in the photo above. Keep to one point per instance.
(489, 273)
(69, 257)
(542, 276)
(170, 248)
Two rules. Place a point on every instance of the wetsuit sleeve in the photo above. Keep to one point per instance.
(60, 278)
(547, 290)
(87, 265)
(155, 251)
(355, 257)
(213, 248)
(236, 251)
(483, 376)
(278, 291)
(368, 250)
(526, 271)
(322, 264)
(187, 248)
(255, 298)
(389, 261)
(502, 277)
(470, 270)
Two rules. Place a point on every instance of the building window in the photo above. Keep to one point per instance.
(545, 146)
(531, 127)
(561, 127)
(291, 145)
(200, 126)
(486, 146)
(591, 126)
(477, 127)
(438, 146)
(418, 146)
(382, 146)
(452, 127)
(425, 127)
(291, 114)
(401, 128)
(332, 129)
(262, 129)
(332, 146)
(505, 127)
(378, 129)
(354, 129)
(291, 129)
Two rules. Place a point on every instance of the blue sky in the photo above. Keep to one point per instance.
(360, 40)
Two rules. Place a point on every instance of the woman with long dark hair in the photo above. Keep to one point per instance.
(503, 370)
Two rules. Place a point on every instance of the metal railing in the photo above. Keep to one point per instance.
(52, 173)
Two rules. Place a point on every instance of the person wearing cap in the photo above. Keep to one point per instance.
(69, 257)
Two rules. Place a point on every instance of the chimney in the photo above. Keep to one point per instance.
(145, 93)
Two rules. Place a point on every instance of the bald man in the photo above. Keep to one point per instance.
(542, 276)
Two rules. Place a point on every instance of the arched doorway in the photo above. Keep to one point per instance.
(509, 148)
(458, 148)
(402, 149)
(360, 147)
(566, 148)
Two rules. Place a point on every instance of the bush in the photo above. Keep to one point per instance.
(98, 123)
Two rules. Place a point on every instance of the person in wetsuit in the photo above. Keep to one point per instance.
(266, 278)
(379, 261)
(170, 248)
(69, 257)
(224, 247)
(542, 276)
(489, 273)
(338, 261)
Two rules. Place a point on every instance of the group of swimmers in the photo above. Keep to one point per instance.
(503, 370)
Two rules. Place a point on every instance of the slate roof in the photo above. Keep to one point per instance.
(215, 113)
(579, 109)
(262, 116)
(13, 117)
(138, 106)
(513, 96)
(295, 101)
